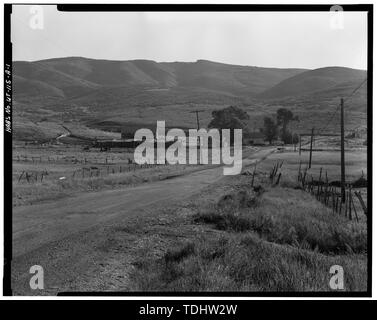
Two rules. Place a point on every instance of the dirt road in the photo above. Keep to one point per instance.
(37, 226)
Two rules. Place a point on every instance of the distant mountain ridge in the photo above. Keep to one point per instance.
(86, 93)
(72, 76)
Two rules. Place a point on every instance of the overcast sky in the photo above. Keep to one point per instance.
(265, 39)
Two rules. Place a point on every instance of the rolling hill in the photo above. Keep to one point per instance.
(82, 93)
(327, 81)
(77, 76)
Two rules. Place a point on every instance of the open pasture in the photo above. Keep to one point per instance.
(356, 163)
(50, 172)
(327, 162)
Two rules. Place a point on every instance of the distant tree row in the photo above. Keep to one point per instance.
(230, 118)
(236, 118)
(279, 128)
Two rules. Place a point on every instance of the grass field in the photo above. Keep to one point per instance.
(355, 160)
(47, 173)
(64, 172)
(229, 237)
(97, 221)
(277, 239)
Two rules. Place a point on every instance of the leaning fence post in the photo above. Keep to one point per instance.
(271, 173)
(277, 182)
(333, 200)
(252, 180)
(303, 179)
(349, 202)
(21, 176)
(336, 202)
(299, 172)
(365, 209)
(345, 205)
(354, 209)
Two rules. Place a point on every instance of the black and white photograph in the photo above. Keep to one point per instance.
(167, 150)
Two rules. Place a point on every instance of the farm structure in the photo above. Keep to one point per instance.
(256, 138)
(105, 145)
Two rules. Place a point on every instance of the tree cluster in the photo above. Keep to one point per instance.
(279, 128)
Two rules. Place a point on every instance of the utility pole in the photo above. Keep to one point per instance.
(294, 144)
(299, 148)
(311, 148)
(198, 126)
(291, 138)
(197, 118)
(342, 160)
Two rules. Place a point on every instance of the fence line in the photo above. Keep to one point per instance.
(86, 172)
(327, 193)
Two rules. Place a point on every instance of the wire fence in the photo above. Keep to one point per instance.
(329, 193)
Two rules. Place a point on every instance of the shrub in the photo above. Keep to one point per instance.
(227, 221)
(179, 254)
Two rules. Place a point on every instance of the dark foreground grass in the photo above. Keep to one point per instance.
(247, 263)
(227, 221)
(282, 240)
(288, 216)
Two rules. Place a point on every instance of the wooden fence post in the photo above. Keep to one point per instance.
(278, 180)
(349, 202)
(252, 180)
(365, 209)
(299, 172)
(354, 209)
(21, 176)
(299, 148)
(311, 148)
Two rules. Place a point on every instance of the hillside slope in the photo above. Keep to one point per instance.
(76, 76)
(82, 94)
(323, 80)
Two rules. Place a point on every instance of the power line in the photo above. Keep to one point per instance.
(328, 122)
(336, 110)
(354, 91)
